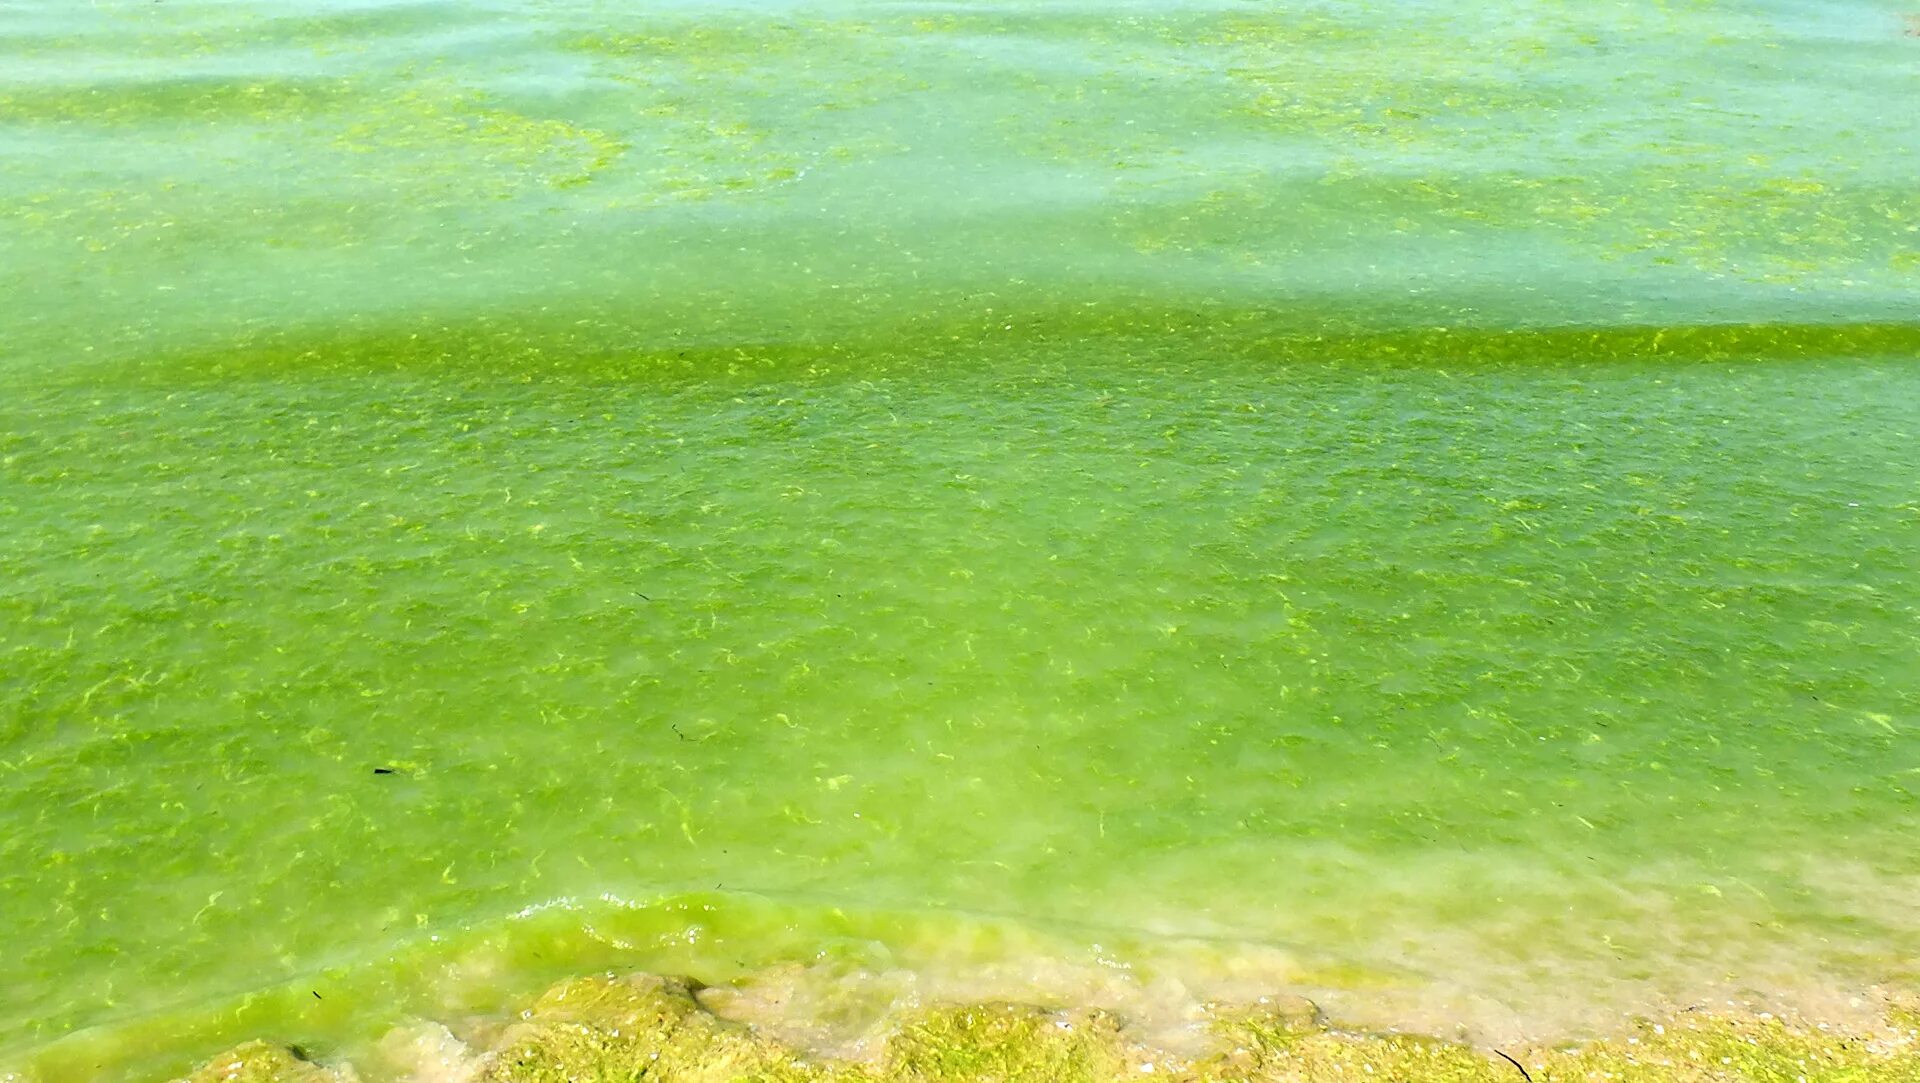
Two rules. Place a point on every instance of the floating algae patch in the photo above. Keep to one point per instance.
(120, 31)
(171, 102)
(432, 126)
(827, 166)
(433, 138)
(730, 105)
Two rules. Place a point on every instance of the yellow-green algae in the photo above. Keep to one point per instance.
(264, 1062)
(1425, 482)
(1172, 421)
(644, 1027)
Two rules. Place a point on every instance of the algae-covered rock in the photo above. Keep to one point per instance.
(1005, 1044)
(1737, 1048)
(1271, 1054)
(646, 1028)
(263, 1062)
(1274, 1016)
(642, 1027)
(1703, 1048)
(629, 1001)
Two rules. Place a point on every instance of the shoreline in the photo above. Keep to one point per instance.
(843, 994)
(644, 1026)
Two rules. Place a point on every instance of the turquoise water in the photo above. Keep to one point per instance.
(1417, 506)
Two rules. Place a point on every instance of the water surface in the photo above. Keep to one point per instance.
(1417, 505)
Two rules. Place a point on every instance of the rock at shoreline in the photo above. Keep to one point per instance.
(264, 1062)
(634, 1028)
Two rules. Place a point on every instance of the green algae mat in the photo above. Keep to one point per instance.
(1109, 505)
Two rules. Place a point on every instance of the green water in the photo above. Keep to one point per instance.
(1415, 502)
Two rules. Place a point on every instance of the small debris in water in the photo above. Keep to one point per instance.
(1524, 1074)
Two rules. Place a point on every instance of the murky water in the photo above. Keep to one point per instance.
(1418, 503)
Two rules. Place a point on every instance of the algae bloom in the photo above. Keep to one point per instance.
(898, 510)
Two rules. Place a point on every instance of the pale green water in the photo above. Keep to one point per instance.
(1420, 504)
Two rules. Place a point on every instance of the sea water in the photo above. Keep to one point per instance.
(1414, 503)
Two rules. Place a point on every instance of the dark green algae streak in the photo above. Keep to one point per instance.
(1418, 506)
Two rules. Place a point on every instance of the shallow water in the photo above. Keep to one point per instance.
(1418, 506)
